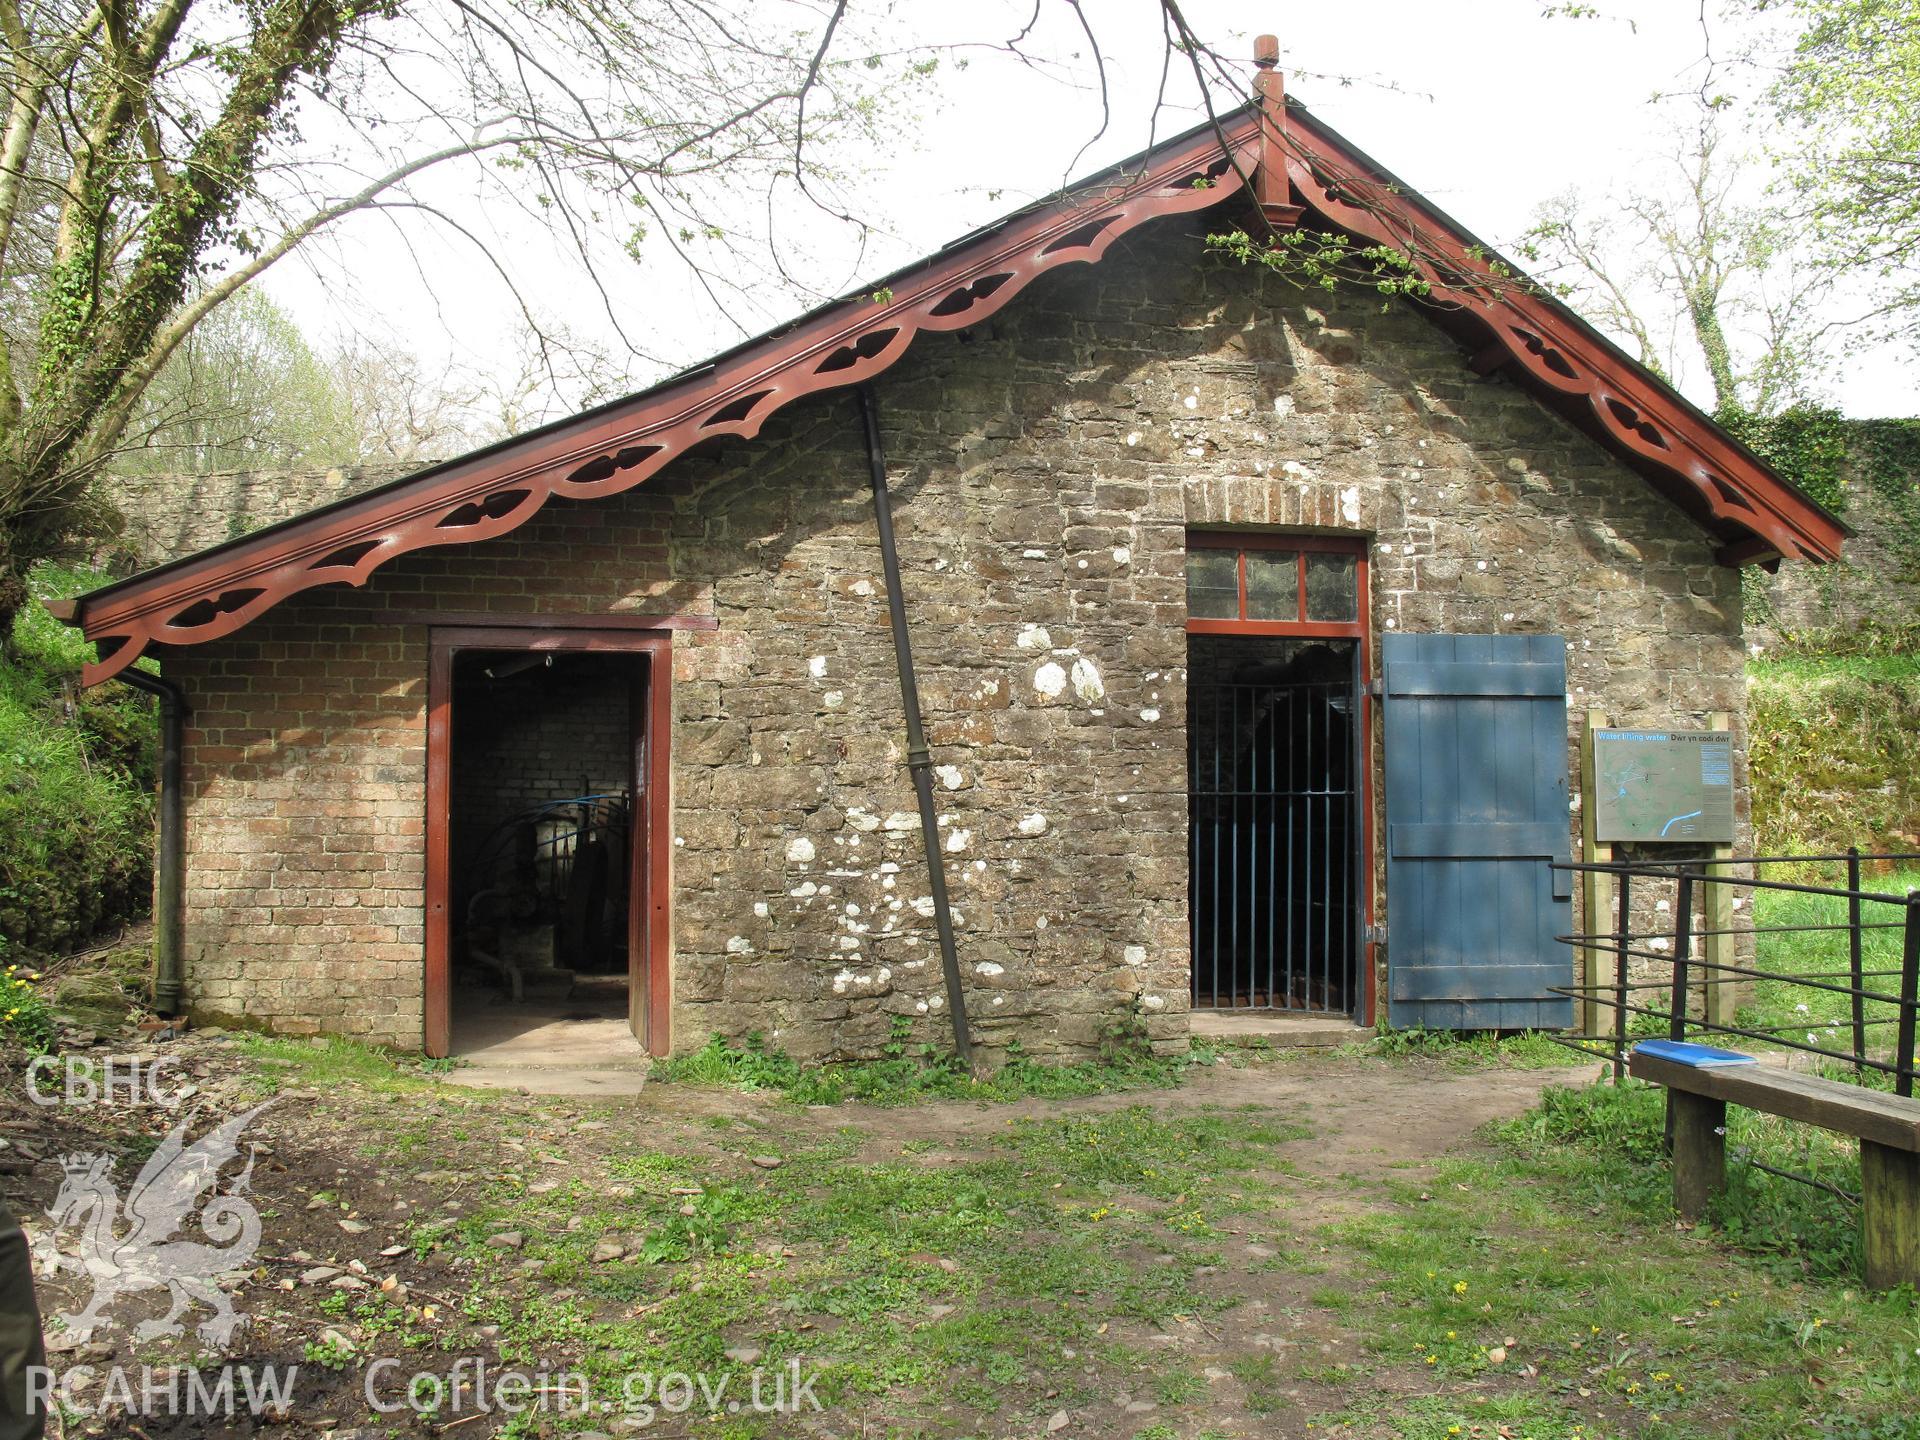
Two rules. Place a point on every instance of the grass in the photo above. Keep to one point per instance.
(1818, 1016)
(1543, 1291)
(985, 1282)
(926, 1075)
(1526, 1049)
(1802, 669)
(966, 1274)
(1832, 745)
(1803, 1229)
(327, 1062)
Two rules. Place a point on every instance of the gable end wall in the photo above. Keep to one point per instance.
(1045, 468)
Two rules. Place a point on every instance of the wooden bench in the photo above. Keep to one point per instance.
(1887, 1126)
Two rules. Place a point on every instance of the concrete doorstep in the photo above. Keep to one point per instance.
(546, 1046)
(1276, 1028)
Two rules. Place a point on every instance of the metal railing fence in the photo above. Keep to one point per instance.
(1676, 963)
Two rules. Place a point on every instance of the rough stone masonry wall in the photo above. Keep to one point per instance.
(1045, 467)
(167, 516)
(1876, 583)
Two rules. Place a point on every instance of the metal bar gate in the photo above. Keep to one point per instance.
(1271, 781)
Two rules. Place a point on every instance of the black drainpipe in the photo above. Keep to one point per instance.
(169, 890)
(919, 762)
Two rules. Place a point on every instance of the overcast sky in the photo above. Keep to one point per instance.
(1485, 106)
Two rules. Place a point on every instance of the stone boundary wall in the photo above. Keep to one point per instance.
(167, 516)
(1876, 582)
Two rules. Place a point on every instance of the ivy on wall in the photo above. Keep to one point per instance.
(1808, 444)
(1886, 455)
(1819, 449)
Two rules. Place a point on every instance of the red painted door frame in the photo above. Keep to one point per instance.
(1359, 630)
(649, 851)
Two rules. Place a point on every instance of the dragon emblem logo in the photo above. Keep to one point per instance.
(135, 1246)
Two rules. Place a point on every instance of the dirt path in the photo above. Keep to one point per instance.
(1367, 1115)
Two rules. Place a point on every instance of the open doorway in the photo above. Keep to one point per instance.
(1276, 773)
(545, 801)
(1273, 823)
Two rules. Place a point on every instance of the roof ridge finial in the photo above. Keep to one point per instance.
(1271, 187)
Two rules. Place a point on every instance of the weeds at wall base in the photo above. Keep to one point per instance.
(909, 1073)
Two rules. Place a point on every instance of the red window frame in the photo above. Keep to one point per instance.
(1354, 629)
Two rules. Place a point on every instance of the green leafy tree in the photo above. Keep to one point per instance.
(243, 391)
(1851, 90)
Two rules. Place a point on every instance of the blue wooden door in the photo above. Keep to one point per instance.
(1476, 781)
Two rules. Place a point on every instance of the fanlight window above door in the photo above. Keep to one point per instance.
(1275, 584)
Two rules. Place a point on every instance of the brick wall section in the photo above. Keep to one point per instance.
(1045, 467)
(530, 739)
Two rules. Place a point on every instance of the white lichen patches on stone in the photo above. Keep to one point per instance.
(1087, 683)
(760, 910)
(989, 969)
(958, 840)
(901, 820)
(739, 945)
(861, 820)
(817, 666)
(1283, 405)
(1192, 402)
(834, 699)
(1135, 954)
(1033, 637)
(1050, 680)
(1122, 555)
(805, 890)
(799, 850)
(1133, 437)
(951, 776)
(1033, 554)
(1149, 716)
(1034, 824)
(861, 587)
(923, 906)
(1350, 504)
(1154, 1002)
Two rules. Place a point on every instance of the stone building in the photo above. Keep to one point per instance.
(1251, 626)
